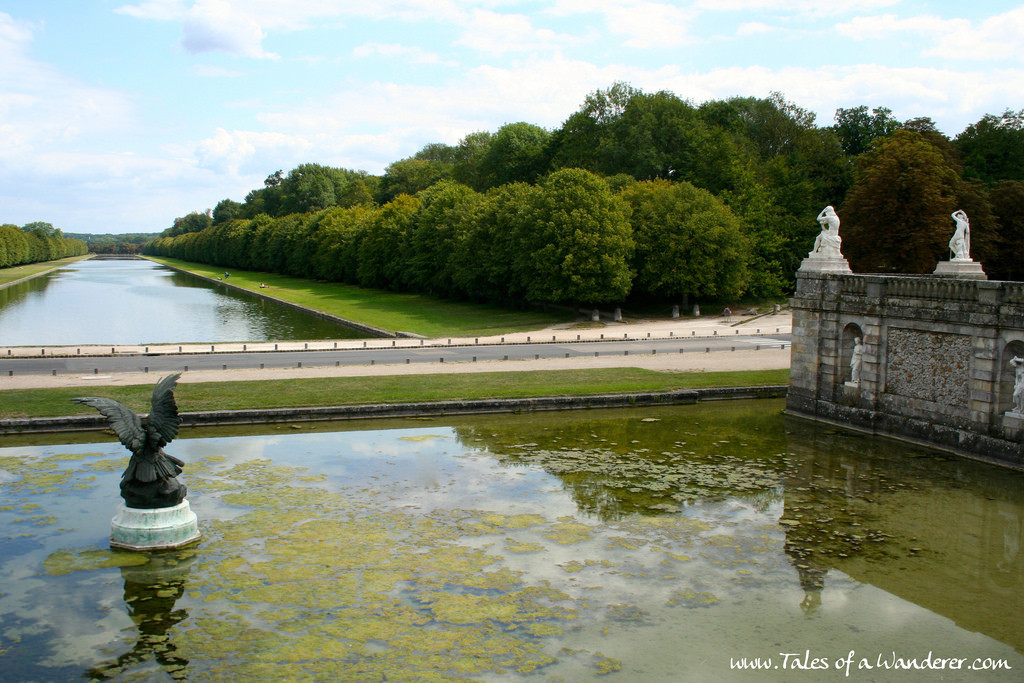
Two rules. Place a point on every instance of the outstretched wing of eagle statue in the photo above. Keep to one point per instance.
(149, 481)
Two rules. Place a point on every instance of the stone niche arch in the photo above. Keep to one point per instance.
(1006, 375)
(851, 332)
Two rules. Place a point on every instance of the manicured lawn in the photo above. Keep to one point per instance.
(396, 312)
(18, 272)
(294, 393)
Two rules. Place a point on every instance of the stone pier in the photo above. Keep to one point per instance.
(935, 360)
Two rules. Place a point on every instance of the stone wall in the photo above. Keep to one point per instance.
(935, 359)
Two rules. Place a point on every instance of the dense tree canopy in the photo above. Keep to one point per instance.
(896, 218)
(857, 128)
(641, 195)
(688, 242)
(35, 242)
(577, 243)
(993, 148)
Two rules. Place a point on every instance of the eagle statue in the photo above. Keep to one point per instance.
(149, 482)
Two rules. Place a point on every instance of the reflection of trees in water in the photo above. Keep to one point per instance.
(618, 463)
(150, 593)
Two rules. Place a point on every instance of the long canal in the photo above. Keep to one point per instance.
(140, 302)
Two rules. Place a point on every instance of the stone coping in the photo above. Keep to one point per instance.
(79, 423)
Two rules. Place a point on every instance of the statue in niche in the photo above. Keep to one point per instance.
(1018, 384)
(149, 482)
(828, 243)
(856, 360)
(960, 244)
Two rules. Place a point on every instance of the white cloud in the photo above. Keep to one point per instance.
(494, 33)
(753, 28)
(160, 10)
(216, 25)
(651, 24)
(228, 152)
(996, 38)
(412, 53)
(642, 23)
(210, 71)
(813, 7)
(240, 26)
(885, 25)
(40, 106)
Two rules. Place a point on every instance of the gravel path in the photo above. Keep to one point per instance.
(746, 359)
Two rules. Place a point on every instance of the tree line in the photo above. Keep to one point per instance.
(636, 195)
(35, 242)
(107, 243)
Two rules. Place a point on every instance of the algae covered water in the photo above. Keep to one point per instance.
(689, 543)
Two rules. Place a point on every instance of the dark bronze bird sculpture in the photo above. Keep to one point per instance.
(149, 482)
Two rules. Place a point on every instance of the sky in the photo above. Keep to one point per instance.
(119, 116)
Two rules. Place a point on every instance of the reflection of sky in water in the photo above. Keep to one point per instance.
(669, 596)
(140, 302)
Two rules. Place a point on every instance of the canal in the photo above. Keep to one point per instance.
(627, 545)
(124, 302)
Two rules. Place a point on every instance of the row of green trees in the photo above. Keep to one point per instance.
(568, 238)
(35, 242)
(107, 243)
(895, 184)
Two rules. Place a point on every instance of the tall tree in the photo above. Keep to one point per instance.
(857, 128)
(409, 176)
(46, 228)
(577, 244)
(469, 155)
(225, 210)
(484, 261)
(442, 221)
(517, 153)
(896, 217)
(688, 243)
(194, 222)
(1007, 199)
(993, 148)
(384, 245)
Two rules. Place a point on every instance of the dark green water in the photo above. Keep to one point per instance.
(628, 545)
(141, 302)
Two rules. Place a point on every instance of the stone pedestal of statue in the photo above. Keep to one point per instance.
(155, 529)
(965, 269)
(1013, 425)
(819, 264)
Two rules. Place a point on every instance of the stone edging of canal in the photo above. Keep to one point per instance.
(75, 423)
(369, 329)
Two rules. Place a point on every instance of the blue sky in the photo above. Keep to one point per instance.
(119, 116)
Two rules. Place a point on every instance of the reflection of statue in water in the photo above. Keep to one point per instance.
(1018, 384)
(150, 481)
(856, 360)
(828, 243)
(150, 594)
(960, 244)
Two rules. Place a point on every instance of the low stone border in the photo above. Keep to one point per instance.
(75, 423)
(351, 324)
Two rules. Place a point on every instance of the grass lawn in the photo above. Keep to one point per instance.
(18, 272)
(332, 391)
(397, 312)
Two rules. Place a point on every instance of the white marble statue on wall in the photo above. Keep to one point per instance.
(1018, 384)
(828, 243)
(961, 265)
(856, 360)
(960, 244)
